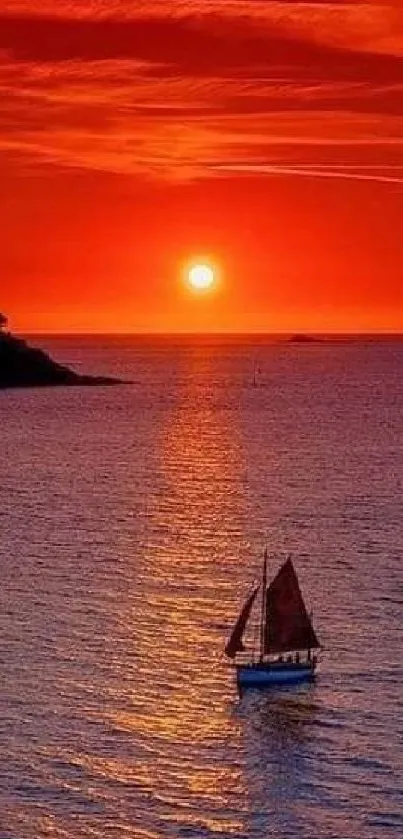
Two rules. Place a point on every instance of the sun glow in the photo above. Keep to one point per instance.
(201, 276)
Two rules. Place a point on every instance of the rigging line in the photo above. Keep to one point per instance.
(263, 609)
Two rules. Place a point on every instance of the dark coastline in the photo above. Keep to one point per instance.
(23, 366)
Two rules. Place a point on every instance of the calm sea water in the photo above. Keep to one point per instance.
(132, 523)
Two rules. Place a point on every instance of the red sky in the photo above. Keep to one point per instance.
(267, 135)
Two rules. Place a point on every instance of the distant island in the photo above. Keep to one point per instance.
(303, 339)
(25, 366)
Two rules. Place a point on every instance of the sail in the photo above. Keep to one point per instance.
(288, 625)
(235, 644)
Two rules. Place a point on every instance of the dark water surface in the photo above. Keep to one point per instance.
(132, 523)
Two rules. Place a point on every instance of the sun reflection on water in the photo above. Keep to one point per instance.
(177, 708)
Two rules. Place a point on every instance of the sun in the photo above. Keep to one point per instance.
(201, 276)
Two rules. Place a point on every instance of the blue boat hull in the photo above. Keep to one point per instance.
(262, 675)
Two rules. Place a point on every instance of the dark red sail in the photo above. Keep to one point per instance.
(288, 625)
(235, 644)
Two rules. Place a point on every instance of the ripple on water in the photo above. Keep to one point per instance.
(130, 535)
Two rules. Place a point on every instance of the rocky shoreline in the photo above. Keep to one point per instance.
(25, 366)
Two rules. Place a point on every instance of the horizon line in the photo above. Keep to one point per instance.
(214, 334)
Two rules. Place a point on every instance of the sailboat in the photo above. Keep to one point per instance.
(287, 638)
(256, 374)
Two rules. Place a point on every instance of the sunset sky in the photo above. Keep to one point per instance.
(265, 137)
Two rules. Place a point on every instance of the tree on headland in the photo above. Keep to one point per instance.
(3, 321)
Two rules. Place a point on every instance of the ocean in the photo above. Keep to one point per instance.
(133, 522)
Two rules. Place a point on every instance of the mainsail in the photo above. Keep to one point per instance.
(287, 623)
(235, 644)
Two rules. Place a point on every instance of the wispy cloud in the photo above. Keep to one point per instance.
(203, 46)
(354, 173)
(168, 92)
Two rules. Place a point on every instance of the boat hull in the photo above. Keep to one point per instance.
(262, 675)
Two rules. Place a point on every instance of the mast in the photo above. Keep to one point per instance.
(263, 607)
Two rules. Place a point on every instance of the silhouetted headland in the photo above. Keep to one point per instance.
(25, 366)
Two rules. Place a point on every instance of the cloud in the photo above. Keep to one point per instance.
(355, 173)
(196, 46)
(170, 92)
